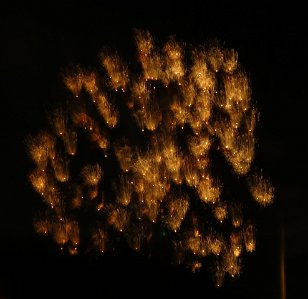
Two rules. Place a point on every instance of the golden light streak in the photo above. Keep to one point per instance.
(61, 168)
(176, 210)
(77, 198)
(199, 145)
(203, 77)
(261, 189)
(107, 110)
(118, 218)
(38, 180)
(249, 238)
(191, 171)
(123, 191)
(59, 121)
(231, 263)
(90, 83)
(41, 148)
(220, 211)
(237, 89)
(219, 275)
(208, 190)
(230, 62)
(92, 174)
(174, 67)
(70, 140)
(236, 243)
(74, 81)
(99, 239)
(116, 70)
(149, 56)
(215, 58)
(124, 154)
(236, 213)
(42, 226)
(215, 244)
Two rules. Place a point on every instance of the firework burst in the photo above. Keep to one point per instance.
(162, 148)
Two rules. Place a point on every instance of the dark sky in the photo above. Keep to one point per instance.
(37, 41)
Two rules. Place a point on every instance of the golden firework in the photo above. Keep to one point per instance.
(158, 148)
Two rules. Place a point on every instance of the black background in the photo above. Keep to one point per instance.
(39, 40)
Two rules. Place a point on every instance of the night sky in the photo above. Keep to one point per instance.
(39, 41)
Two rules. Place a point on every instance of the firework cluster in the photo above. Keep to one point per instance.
(160, 147)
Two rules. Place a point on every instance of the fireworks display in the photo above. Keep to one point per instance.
(159, 148)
